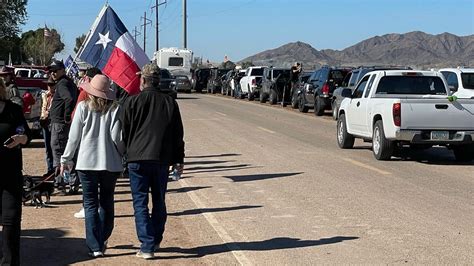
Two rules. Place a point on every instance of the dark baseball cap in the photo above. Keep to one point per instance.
(56, 65)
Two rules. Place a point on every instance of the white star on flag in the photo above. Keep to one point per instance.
(104, 39)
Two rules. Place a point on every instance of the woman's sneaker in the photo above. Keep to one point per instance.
(145, 255)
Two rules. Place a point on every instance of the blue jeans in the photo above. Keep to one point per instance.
(47, 146)
(98, 226)
(146, 175)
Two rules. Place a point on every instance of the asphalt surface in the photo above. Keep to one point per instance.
(266, 185)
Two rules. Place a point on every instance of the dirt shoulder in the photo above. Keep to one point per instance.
(52, 236)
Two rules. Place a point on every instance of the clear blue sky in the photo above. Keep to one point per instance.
(240, 28)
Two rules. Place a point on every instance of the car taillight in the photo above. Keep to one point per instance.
(397, 114)
(254, 82)
(325, 88)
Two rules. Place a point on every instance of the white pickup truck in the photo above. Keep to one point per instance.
(406, 107)
(251, 82)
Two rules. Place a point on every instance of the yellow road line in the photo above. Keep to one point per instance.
(266, 130)
(366, 166)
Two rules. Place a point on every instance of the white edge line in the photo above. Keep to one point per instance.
(266, 130)
(225, 237)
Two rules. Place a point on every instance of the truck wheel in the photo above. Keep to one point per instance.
(272, 99)
(464, 153)
(334, 110)
(263, 97)
(301, 106)
(381, 147)
(344, 139)
(294, 101)
(318, 106)
(251, 96)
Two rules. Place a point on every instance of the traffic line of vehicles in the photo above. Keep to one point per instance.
(392, 107)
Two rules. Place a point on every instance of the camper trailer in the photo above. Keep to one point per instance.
(177, 61)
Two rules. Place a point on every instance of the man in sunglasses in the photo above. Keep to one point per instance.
(60, 112)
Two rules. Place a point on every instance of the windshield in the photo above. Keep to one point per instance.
(468, 80)
(284, 72)
(257, 72)
(411, 85)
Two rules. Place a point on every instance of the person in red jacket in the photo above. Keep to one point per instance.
(28, 101)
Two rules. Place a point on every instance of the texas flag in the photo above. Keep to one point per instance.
(111, 48)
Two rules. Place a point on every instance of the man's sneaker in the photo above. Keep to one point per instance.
(96, 254)
(80, 214)
(145, 255)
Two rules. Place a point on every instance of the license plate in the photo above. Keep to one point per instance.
(439, 135)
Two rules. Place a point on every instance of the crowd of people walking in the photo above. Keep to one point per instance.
(91, 131)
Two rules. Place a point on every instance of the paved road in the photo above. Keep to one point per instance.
(265, 186)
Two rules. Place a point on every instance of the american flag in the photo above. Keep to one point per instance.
(47, 32)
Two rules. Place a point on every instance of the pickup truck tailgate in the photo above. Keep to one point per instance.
(437, 114)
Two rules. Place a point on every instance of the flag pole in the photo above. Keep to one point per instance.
(44, 45)
(88, 36)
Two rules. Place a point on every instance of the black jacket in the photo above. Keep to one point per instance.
(11, 122)
(152, 128)
(64, 101)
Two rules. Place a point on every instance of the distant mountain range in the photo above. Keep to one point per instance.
(416, 49)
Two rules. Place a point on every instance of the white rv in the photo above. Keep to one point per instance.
(177, 61)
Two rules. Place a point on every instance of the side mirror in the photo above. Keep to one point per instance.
(346, 93)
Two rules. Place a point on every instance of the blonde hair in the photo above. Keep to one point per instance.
(100, 105)
(3, 90)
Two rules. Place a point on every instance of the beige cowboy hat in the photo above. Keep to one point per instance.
(99, 86)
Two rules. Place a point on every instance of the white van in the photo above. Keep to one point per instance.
(177, 61)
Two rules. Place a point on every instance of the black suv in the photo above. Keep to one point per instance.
(275, 85)
(317, 93)
(215, 79)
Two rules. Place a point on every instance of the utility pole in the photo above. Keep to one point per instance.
(185, 40)
(136, 33)
(157, 43)
(145, 22)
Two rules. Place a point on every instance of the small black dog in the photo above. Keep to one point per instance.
(34, 191)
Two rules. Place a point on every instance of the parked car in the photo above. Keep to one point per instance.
(201, 76)
(167, 84)
(460, 81)
(298, 88)
(318, 92)
(250, 83)
(405, 107)
(214, 82)
(351, 79)
(24, 72)
(182, 83)
(276, 85)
